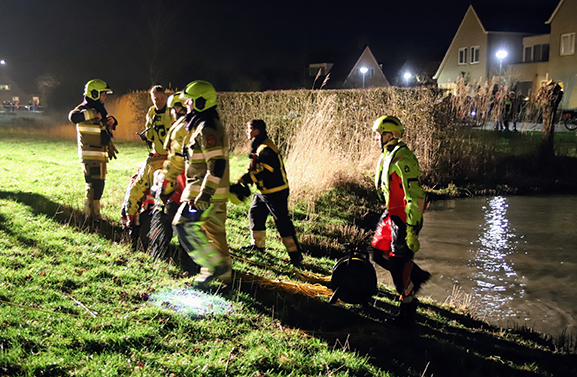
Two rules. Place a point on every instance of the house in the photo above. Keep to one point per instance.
(472, 53)
(544, 50)
(365, 72)
(12, 97)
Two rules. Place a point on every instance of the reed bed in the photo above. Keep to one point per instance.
(326, 139)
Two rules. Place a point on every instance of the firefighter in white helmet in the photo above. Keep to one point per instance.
(267, 172)
(200, 221)
(396, 239)
(94, 130)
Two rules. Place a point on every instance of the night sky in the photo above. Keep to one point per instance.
(230, 43)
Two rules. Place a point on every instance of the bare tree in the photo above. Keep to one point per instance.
(159, 17)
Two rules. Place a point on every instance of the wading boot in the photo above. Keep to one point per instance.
(407, 314)
(419, 277)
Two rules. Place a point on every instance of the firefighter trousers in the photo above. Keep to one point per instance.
(275, 204)
(202, 234)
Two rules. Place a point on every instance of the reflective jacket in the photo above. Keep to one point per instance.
(266, 168)
(398, 185)
(139, 188)
(174, 164)
(93, 135)
(157, 124)
(206, 154)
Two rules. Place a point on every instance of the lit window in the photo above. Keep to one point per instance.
(567, 44)
(4, 87)
(475, 52)
(463, 56)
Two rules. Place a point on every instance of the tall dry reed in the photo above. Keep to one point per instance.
(326, 139)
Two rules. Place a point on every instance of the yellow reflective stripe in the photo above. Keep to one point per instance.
(273, 190)
(212, 154)
(89, 129)
(267, 167)
(211, 178)
(94, 153)
(221, 192)
(196, 156)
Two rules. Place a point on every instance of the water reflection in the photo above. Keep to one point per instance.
(492, 270)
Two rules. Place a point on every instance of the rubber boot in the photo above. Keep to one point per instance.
(258, 241)
(293, 249)
(407, 314)
(419, 277)
(222, 272)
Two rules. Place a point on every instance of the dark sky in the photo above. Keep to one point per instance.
(226, 42)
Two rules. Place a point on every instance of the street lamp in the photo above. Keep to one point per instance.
(407, 76)
(364, 70)
(2, 62)
(501, 54)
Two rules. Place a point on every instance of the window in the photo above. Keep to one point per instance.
(537, 53)
(545, 52)
(567, 44)
(15, 99)
(4, 87)
(528, 56)
(475, 50)
(463, 56)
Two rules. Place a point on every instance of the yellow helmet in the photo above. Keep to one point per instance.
(238, 193)
(388, 123)
(94, 87)
(202, 93)
(175, 100)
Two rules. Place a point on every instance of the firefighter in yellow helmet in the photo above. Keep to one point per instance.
(137, 205)
(200, 221)
(396, 239)
(94, 130)
(267, 172)
(168, 190)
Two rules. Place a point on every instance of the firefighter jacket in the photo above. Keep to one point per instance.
(157, 124)
(205, 149)
(266, 168)
(174, 164)
(139, 187)
(398, 185)
(94, 135)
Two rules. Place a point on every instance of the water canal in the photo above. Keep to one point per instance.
(516, 256)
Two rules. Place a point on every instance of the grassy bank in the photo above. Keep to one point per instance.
(77, 301)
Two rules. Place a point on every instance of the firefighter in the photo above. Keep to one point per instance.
(200, 220)
(168, 197)
(94, 130)
(138, 203)
(267, 172)
(396, 239)
(158, 121)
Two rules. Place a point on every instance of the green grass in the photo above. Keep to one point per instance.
(74, 301)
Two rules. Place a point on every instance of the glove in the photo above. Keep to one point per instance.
(112, 151)
(412, 239)
(202, 202)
